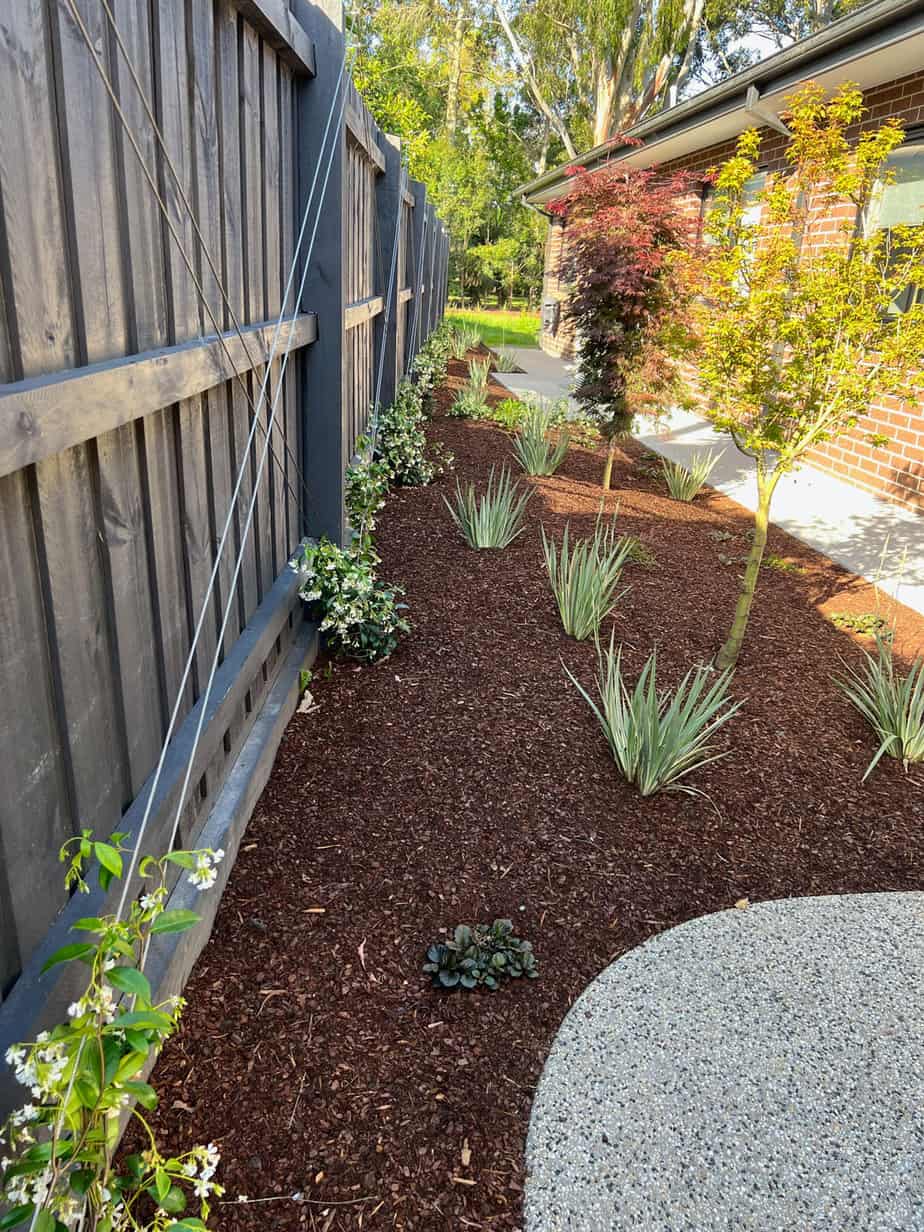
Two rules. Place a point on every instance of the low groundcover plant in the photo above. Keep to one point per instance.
(83, 1075)
(360, 618)
(480, 957)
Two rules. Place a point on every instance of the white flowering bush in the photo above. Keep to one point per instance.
(359, 618)
(56, 1152)
(432, 359)
(402, 441)
(366, 487)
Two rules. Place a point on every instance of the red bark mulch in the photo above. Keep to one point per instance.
(465, 779)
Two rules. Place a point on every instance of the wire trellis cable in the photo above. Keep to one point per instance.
(149, 176)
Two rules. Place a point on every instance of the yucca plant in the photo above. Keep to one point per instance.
(464, 338)
(657, 738)
(494, 519)
(892, 704)
(478, 372)
(534, 448)
(585, 575)
(685, 482)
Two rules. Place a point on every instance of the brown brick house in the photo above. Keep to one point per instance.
(880, 47)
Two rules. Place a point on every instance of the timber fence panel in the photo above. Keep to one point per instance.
(144, 259)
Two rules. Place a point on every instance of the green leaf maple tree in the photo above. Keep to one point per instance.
(799, 327)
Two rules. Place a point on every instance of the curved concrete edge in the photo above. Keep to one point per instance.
(754, 1069)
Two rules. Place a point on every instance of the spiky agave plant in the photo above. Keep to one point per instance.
(584, 576)
(685, 482)
(533, 446)
(494, 519)
(891, 703)
(657, 738)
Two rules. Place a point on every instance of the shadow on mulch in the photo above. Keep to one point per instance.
(464, 779)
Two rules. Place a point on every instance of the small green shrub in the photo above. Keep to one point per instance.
(866, 624)
(464, 338)
(402, 441)
(430, 362)
(657, 738)
(892, 704)
(533, 447)
(510, 413)
(721, 536)
(685, 482)
(366, 488)
(480, 957)
(638, 553)
(781, 565)
(584, 577)
(468, 404)
(359, 618)
(494, 519)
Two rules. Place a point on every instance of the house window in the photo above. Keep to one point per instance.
(751, 203)
(900, 203)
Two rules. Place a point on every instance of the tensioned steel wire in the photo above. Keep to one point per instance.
(339, 93)
(338, 101)
(177, 180)
(187, 260)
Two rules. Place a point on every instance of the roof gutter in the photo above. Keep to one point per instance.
(868, 29)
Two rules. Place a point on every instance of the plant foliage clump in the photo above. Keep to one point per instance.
(685, 482)
(533, 446)
(360, 618)
(480, 957)
(367, 482)
(401, 442)
(630, 293)
(494, 519)
(464, 337)
(585, 577)
(799, 328)
(658, 737)
(891, 703)
(87, 1072)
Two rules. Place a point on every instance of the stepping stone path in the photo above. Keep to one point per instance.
(758, 1069)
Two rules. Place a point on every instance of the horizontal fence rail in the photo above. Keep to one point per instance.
(146, 232)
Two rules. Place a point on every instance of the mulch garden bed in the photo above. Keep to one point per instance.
(465, 779)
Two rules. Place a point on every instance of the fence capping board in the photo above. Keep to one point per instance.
(43, 415)
(279, 27)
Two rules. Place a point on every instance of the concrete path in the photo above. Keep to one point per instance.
(757, 1070)
(873, 538)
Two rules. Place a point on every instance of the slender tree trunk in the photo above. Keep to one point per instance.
(728, 655)
(608, 468)
(455, 72)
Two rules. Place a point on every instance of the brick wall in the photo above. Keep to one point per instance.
(896, 470)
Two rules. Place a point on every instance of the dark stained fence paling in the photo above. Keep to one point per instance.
(125, 423)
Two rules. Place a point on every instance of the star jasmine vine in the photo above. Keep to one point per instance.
(57, 1169)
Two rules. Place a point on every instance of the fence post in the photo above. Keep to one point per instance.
(389, 204)
(325, 437)
(419, 193)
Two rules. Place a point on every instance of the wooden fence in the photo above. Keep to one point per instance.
(128, 394)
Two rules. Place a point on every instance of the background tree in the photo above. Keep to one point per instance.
(799, 336)
(630, 292)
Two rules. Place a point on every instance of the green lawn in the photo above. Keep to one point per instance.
(498, 328)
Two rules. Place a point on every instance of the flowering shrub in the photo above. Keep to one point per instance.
(402, 442)
(366, 488)
(57, 1166)
(431, 360)
(360, 618)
